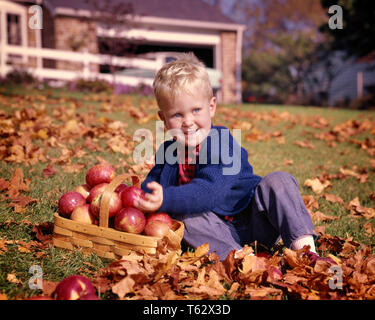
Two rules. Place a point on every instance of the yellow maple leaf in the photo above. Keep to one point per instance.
(316, 186)
(42, 133)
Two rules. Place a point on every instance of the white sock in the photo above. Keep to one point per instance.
(238, 252)
(302, 241)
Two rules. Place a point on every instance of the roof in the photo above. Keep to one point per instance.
(196, 10)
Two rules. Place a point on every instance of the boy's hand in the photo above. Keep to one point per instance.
(151, 201)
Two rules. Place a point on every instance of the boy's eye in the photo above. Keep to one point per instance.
(196, 110)
(176, 115)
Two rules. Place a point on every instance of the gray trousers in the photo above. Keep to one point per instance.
(276, 210)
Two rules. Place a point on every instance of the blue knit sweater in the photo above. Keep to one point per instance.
(224, 181)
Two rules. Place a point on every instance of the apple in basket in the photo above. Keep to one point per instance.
(161, 216)
(114, 204)
(121, 188)
(130, 194)
(156, 228)
(100, 173)
(83, 189)
(73, 288)
(130, 220)
(69, 201)
(95, 191)
(82, 214)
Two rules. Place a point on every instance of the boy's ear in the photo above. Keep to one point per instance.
(161, 115)
(212, 106)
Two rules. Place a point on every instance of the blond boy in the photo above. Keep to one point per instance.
(203, 178)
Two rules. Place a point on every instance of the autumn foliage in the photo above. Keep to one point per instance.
(30, 131)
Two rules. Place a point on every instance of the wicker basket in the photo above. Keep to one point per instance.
(103, 241)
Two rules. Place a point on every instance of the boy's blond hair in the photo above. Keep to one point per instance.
(185, 75)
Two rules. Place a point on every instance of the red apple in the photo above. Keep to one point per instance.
(73, 288)
(89, 296)
(82, 214)
(95, 191)
(156, 228)
(161, 216)
(83, 189)
(130, 220)
(69, 201)
(101, 173)
(121, 188)
(130, 194)
(115, 205)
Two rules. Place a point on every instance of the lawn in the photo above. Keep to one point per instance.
(50, 137)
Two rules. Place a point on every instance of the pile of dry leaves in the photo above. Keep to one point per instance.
(348, 274)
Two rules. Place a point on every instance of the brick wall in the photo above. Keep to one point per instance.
(228, 64)
(74, 34)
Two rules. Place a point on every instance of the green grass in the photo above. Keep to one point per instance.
(264, 156)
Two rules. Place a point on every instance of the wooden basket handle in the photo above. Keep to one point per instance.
(106, 197)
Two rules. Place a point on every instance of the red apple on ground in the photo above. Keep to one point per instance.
(73, 288)
(95, 191)
(130, 194)
(101, 173)
(69, 201)
(156, 228)
(82, 214)
(161, 216)
(130, 220)
(83, 189)
(115, 205)
(89, 296)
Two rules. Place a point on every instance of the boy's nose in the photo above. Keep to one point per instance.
(188, 121)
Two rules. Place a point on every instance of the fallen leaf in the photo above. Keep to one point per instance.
(17, 183)
(333, 198)
(317, 216)
(49, 171)
(356, 210)
(369, 228)
(304, 144)
(11, 277)
(316, 185)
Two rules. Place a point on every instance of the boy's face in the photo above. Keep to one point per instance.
(189, 118)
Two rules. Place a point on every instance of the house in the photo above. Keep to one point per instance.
(71, 38)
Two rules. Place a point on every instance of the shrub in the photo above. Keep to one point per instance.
(95, 86)
(21, 76)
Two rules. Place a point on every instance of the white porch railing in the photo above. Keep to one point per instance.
(87, 59)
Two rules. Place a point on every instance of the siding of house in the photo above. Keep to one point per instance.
(344, 86)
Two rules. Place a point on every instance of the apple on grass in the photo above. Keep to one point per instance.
(68, 202)
(156, 228)
(73, 288)
(130, 220)
(114, 205)
(130, 194)
(100, 173)
(82, 214)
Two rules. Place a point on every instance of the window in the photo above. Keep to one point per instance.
(14, 29)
